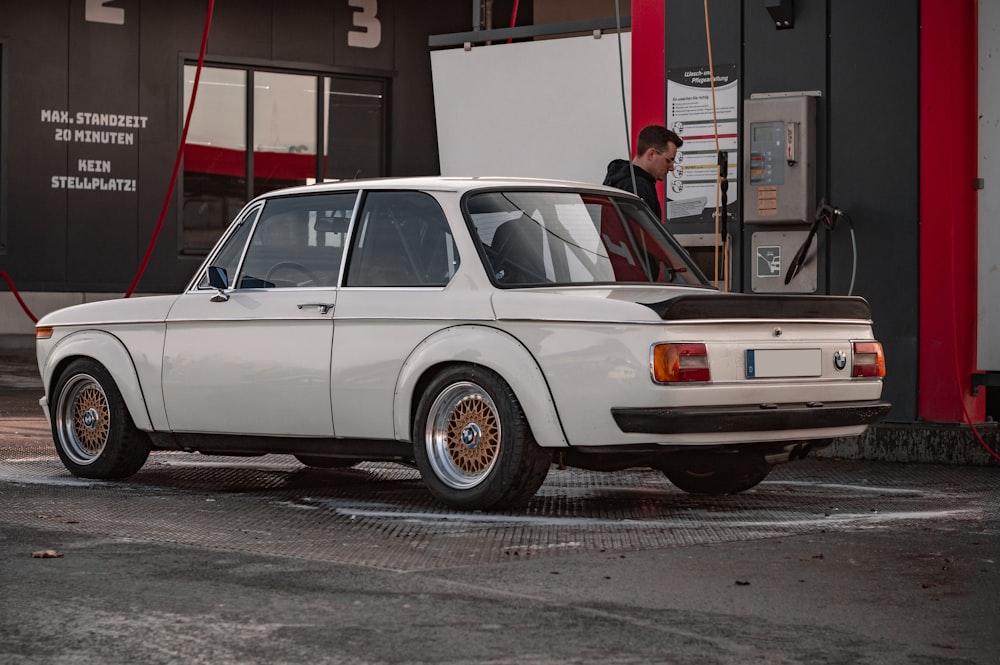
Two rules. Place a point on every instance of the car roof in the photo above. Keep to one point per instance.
(442, 183)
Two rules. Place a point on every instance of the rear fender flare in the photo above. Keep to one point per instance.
(490, 348)
(109, 351)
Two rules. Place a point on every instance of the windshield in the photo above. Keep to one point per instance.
(534, 238)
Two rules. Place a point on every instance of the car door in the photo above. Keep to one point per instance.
(397, 290)
(255, 359)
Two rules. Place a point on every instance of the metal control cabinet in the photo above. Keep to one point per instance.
(779, 158)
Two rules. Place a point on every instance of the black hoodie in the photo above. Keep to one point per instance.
(619, 176)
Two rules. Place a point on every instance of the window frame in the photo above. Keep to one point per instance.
(652, 226)
(322, 77)
(360, 231)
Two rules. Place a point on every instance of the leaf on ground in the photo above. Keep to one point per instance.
(46, 554)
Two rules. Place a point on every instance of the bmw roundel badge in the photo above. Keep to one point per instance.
(840, 360)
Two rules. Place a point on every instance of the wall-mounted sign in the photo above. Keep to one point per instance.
(691, 188)
(94, 128)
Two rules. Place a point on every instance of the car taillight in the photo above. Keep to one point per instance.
(684, 362)
(868, 359)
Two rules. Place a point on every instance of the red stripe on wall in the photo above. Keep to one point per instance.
(948, 212)
(230, 162)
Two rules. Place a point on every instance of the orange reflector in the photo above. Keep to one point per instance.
(868, 360)
(673, 363)
(43, 333)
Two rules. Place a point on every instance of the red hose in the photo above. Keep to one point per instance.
(513, 20)
(180, 153)
(13, 289)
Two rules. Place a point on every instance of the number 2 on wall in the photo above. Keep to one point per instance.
(365, 17)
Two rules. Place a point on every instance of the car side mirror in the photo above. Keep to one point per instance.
(218, 279)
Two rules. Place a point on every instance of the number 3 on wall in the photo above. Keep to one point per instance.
(365, 17)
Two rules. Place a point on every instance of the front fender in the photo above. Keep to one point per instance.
(491, 348)
(112, 354)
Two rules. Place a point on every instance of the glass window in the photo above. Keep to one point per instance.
(298, 242)
(284, 130)
(214, 156)
(537, 237)
(401, 239)
(229, 255)
(354, 118)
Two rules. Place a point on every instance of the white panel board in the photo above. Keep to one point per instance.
(989, 198)
(550, 108)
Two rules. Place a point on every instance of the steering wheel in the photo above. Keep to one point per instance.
(294, 268)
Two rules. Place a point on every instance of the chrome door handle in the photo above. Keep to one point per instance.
(323, 307)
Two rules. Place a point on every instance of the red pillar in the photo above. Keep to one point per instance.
(948, 211)
(649, 78)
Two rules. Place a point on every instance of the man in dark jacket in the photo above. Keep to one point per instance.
(655, 150)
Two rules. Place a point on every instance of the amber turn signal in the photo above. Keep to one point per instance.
(680, 362)
(43, 333)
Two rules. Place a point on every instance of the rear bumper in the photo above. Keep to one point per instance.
(755, 418)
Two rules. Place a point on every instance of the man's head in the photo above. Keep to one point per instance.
(656, 149)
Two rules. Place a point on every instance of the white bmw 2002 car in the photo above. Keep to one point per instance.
(479, 328)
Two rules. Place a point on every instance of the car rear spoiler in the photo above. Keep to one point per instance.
(747, 306)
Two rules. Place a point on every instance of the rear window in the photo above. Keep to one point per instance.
(535, 238)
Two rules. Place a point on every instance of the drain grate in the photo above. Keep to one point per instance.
(381, 515)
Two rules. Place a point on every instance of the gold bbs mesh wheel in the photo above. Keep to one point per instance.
(463, 435)
(83, 418)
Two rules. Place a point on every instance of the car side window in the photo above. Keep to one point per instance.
(298, 242)
(228, 256)
(401, 239)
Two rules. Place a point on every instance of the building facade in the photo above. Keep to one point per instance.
(93, 100)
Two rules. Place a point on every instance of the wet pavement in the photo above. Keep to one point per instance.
(200, 559)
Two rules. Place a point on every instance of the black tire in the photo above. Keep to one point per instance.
(320, 462)
(91, 426)
(706, 477)
(472, 443)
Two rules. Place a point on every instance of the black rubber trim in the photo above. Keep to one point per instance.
(755, 306)
(758, 418)
(235, 444)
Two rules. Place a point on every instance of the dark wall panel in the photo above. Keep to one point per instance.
(37, 81)
(168, 32)
(874, 175)
(241, 29)
(303, 32)
(413, 148)
(103, 154)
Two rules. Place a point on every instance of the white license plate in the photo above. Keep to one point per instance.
(779, 363)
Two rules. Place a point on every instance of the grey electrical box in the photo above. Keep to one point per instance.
(779, 158)
(773, 252)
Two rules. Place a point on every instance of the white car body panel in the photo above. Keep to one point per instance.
(492, 348)
(376, 330)
(133, 358)
(258, 363)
